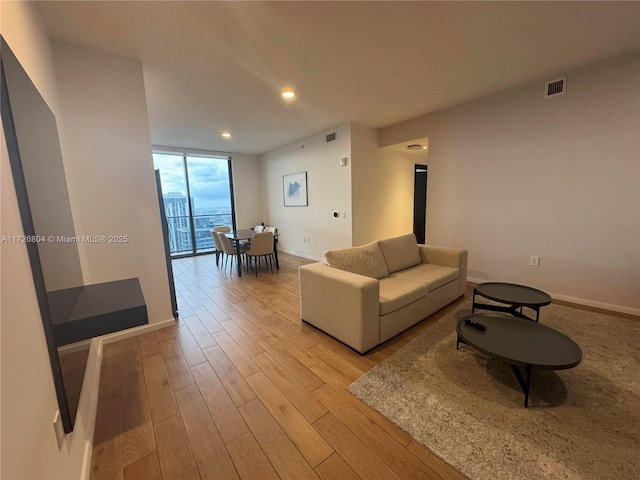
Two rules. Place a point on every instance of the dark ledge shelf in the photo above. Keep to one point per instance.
(89, 311)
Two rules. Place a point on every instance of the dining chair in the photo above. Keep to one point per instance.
(256, 229)
(230, 250)
(261, 246)
(216, 240)
(273, 230)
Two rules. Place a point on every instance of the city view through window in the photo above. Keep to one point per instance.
(197, 197)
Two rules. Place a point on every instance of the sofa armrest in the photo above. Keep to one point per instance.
(448, 257)
(343, 304)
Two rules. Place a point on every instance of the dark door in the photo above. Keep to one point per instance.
(167, 251)
(420, 202)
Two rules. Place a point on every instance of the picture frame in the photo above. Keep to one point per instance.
(294, 189)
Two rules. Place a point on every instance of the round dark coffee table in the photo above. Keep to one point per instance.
(520, 343)
(516, 296)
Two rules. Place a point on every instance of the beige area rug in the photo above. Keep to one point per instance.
(582, 423)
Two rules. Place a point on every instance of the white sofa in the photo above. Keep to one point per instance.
(364, 296)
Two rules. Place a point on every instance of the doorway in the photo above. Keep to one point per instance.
(420, 202)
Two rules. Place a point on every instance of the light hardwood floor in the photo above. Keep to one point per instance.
(240, 388)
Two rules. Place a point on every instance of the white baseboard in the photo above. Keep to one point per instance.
(303, 255)
(74, 347)
(132, 332)
(117, 336)
(91, 380)
(591, 303)
(580, 301)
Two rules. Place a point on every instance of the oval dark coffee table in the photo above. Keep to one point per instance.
(520, 343)
(516, 296)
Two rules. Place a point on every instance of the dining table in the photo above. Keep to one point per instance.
(238, 236)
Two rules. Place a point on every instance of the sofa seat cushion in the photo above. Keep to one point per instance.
(435, 276)
(364, 260)
(396, 293)
(400, 252)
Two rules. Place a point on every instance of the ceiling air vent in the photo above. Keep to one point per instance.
(555, 87)
(331, 137)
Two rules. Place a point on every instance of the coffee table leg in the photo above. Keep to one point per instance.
(526, 393)
(473, 302)
(524, 384)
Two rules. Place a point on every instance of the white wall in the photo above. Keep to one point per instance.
(107, 151)
(514, 175)
(382, 188)
(28, 396)
(247, 190)
(329, 189)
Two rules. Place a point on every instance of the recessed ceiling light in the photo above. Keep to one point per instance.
(226, 134)
(288, 93)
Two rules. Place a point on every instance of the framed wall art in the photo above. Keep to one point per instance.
(295, 189)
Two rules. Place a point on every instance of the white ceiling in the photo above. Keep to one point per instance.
(212, 66)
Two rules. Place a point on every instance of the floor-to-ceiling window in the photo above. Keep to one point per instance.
(196, 190)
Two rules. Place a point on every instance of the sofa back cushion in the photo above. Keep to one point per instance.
(400, 252)
(365, 260)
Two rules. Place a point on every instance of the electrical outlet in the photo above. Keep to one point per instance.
(534, 261)
(58, 428)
